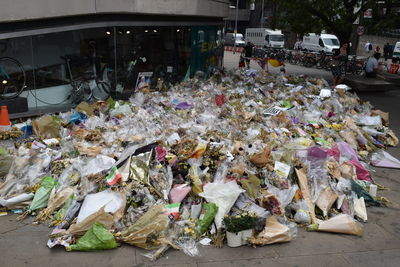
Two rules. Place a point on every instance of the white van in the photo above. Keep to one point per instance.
(265, 37)
(230, 39)
(323, 42)
(396, 53)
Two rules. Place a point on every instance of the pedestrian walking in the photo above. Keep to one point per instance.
(242, 60)
(339, 65)
(368, 47)
(297, 45)
(386, 51)
(248, 53)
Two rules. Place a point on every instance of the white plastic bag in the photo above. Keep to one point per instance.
(173, 139)
(98, 164)
(302, 217)
(325, 93)
(113, 202)
(15, 200)
(245, 203)
(223, 195)
(121, 109)
(343, 87)
(369, 120)
(285, 196)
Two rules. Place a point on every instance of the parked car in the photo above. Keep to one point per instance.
(230, 39)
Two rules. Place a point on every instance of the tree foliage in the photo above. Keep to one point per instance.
(334, 16)
(383, 21)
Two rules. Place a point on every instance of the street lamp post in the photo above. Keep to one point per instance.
(236, 20)
(262, 15)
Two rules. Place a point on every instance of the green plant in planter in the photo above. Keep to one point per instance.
(243, 221)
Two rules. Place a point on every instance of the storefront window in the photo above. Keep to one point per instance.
(162, 52)
(68, 56)
(16, 67)
(207, 49)
(123, 58)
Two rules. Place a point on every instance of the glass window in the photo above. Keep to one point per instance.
(63, 57)
(277, 38)
(320, 42)
(16, 67)
(86, 50)
(239, 37)
(113, 55)
(331, 41)
(163, 51)
(47, 52)
(207, 53)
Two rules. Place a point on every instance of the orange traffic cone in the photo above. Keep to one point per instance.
(5, 123)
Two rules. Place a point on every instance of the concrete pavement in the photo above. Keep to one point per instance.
(231, 60)
(24, 244)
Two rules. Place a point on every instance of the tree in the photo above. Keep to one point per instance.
(383, 21)
(334, 16)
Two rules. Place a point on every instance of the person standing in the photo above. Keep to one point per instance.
(339, 67)
(248, 53)
(297, 45)
(367, 46)
(386, 51)
(377, 49)
(242, 61)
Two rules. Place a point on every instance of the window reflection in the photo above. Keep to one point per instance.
(115, 55)
(164, 51)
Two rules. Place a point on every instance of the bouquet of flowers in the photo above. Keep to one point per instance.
(243, 221)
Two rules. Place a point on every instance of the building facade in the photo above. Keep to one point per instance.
(58, 41)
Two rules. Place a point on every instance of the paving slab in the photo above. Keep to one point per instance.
(30, 250)
(386, 218)
(209, 254)
(318, 243)
(381, 258)
(8, 223)
(326, 261)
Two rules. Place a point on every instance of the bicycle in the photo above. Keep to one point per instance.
(12, 78)
(89, 85)
(124, 78)
(297, 58)
(356, 66)
(308, 60)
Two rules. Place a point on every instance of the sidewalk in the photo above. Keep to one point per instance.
(24, 244)
(231, 60)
